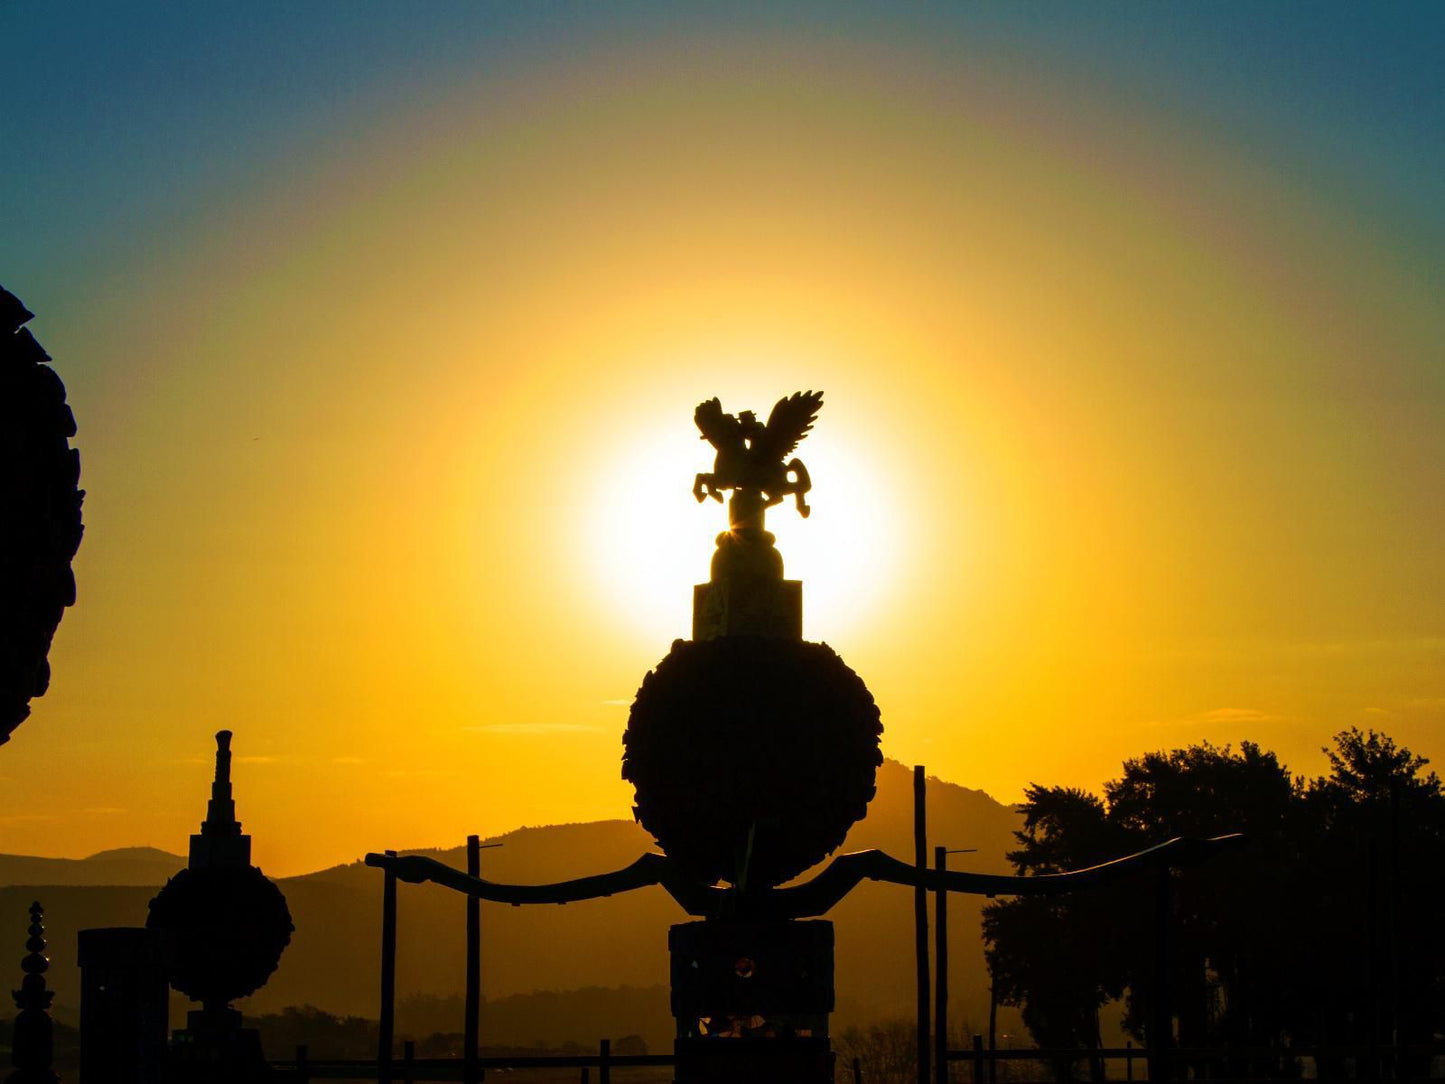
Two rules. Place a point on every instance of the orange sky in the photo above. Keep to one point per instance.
(1130, 440)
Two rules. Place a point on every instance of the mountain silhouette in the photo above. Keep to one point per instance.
(620, 941)
(123, 866)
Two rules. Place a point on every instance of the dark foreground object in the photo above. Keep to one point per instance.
(751, 1000)
(40, 500)
(752, 756)
(124, 1000)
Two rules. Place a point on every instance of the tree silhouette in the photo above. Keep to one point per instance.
(1325, 930)
(39, 512)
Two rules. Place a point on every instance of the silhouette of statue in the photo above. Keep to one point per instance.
(222, 926)
(750, 457)
(39, 510)
(747, 594)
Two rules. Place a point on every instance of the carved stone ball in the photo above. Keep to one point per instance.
(751, 756)
(222, 931)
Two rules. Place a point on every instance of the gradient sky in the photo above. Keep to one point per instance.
(383, 325)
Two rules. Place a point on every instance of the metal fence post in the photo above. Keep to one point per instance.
(1160, 1014)
(474, 967)
(387, 1024)
(940, 968)
(604, 1062)
(920, 915)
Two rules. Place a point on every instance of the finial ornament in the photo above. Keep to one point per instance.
(221, 809)
(34, 1038)
(750, 457)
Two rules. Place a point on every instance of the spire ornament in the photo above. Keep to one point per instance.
(34, 1040)
(222, 925)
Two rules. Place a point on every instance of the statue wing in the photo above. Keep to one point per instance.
(716, 427)
(788, 424)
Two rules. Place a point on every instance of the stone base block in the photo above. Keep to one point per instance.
(751, 608)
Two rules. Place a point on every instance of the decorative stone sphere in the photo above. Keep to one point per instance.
(751, 756)
(222, 931)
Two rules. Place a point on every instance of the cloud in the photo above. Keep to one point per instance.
(1236, 715)
(1223, 717)
(256, 760)
(532, 728)
(102, 811)
(348, 760)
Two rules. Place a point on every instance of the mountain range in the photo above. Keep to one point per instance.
(620, 941)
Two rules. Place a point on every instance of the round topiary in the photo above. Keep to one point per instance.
(222, 931)
(751, 756)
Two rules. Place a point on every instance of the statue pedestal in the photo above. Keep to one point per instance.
(751, 1000)
(730, 610)
(214, 1048)
(747, 595)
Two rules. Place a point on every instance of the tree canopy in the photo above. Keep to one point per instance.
(1324, 929)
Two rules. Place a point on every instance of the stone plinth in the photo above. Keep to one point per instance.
(747, 595)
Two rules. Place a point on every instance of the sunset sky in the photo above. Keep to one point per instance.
(383, 325)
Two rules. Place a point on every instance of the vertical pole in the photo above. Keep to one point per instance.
(940, 964)
(474, 967)
(1395, 1036)
(978, 1059)
(920, 915)
(408, 1062)
(857, 1072)
(387, 1024)
(303, 1074)
(1129, 1060)
(992, 1032)
(1372, 940)
(604, 1062)
(1160, 1017)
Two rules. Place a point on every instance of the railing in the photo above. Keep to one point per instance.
(1210, 1063)
(409, 1069)
(1377, 1062)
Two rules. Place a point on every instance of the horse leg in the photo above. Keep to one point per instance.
(800, 486)
(706, 486)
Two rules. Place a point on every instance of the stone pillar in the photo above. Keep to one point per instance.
(751, 1000)
(124, 998)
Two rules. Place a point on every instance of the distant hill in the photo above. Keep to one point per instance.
(619, 941)
(125, 866)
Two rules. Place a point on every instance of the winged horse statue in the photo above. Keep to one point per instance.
(750, 455)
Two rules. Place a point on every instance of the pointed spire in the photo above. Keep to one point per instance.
(220, 841)
(33, 1042)
(32, 993)
(221, 809)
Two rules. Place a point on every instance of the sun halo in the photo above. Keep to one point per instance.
(651, 541)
